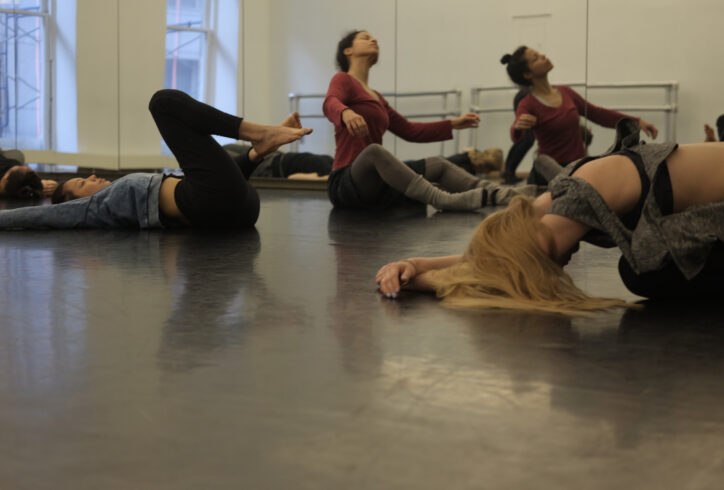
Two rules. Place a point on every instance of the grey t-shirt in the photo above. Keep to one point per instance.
(686, 237)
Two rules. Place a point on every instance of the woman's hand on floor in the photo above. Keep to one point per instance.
(393, 276)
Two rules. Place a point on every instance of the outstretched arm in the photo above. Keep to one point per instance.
(411, 274)
(607, 117)
(421, 132)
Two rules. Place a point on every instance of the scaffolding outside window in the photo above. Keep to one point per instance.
(24, 81)
(187, 39)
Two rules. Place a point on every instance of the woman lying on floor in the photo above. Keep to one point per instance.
(367, 176)
(19, 181)
(212, 193)
(314, 166)
(661, 204)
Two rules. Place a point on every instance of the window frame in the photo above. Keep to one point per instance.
(208, 45)
(46, 96)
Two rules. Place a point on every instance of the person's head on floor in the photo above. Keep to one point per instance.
(20, 181)
(77, 188)
(357, 43)
(507, 265)
(526, 64)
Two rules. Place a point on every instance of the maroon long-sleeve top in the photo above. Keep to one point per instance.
(345, 92)
(557, 128)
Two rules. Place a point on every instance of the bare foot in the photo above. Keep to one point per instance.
(265, 139)
(709, 132)
(292, 121)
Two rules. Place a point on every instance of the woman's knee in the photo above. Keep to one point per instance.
(435, 166)
(159, 100)
(375, 152)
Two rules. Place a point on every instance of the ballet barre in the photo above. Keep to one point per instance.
(669, 107)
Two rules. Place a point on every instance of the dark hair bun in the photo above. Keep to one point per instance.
(505, 59)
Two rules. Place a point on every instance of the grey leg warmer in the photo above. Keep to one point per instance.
(422, 190)
(450, 177)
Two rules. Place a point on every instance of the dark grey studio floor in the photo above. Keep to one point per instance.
(266, 360)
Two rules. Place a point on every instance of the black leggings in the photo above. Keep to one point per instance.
(519, 149)
(213, 192)
(669, 282)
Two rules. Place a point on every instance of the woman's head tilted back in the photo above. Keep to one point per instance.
(506, 267)
(367, 46)
(517, 66)
(344, 43)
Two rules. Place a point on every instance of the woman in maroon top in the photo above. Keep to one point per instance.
(364, 174)
(553, 112)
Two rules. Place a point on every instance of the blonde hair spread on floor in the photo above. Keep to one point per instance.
(505, 267)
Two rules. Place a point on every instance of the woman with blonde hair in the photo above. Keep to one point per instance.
(662, 205)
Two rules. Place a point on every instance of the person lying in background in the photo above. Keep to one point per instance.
(314, 166)
(19, 181)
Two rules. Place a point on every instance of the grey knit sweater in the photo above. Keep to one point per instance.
(685, 237)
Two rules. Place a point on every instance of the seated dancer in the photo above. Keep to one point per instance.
(661, 204)
(19, 181)
(212, 193)
(553, 112)
(367, 176)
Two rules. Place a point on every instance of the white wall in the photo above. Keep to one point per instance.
(97, 80)
(457, 44)
(650, 40)
(142, 28)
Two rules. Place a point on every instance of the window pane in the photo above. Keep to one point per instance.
(185, 62)
(22, 81)
(189, 13)
(28, 4)
(33, 5)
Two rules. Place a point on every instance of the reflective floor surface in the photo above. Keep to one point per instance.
(266, 360)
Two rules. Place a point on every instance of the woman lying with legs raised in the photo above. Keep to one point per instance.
(661, 204)
(212, 193)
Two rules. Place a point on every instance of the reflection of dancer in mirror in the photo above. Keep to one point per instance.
(212, 193)
(367, 176)
(661, 204)
(553, 112)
